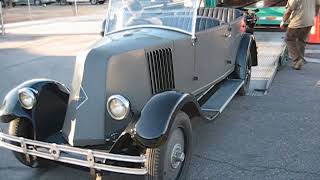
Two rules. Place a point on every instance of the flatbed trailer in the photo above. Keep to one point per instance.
(270, 11)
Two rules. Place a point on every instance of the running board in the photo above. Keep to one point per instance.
(221, 98)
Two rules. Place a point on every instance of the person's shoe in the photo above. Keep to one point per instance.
(298, 65)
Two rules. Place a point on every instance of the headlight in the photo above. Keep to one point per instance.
(27, 98)
(118, 107)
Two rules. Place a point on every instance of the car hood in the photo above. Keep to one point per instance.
(85, 122)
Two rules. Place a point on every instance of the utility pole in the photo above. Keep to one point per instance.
(1, 19)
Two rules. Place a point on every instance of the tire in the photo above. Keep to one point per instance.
(23, 128)
(94, 2)
(160, 163)
(63, 2)
(245, 74)
(102, 2)
(37, 2)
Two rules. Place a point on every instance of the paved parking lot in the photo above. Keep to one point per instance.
(21, 13)
(260, 138)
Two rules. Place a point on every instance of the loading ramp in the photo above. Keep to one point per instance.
(271, 55)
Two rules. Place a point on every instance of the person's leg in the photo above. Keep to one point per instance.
(302, 37)
(291, 40)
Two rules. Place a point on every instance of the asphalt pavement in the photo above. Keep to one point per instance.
(271, 137)
(23, 13)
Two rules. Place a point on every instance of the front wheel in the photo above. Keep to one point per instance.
(172, 160)
(23, 128)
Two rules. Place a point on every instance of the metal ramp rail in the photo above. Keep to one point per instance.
(271, 54)
(1, 20)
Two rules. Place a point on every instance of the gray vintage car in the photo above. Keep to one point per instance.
(134, 93)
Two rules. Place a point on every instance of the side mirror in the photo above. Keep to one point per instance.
(103, 27)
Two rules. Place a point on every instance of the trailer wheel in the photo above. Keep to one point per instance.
(172, 159)
(245, 74)
(23, 128)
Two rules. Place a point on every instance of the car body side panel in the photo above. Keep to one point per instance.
(235, 41)
(184, 65)
(212, 51)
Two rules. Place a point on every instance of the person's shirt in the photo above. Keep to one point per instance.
(303, 12)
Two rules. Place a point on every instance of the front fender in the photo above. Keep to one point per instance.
(157, 116)
(48, 114)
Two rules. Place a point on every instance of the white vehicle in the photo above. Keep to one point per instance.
(93, 2)
(32, 2)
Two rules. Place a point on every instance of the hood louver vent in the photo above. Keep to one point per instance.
(161, 70)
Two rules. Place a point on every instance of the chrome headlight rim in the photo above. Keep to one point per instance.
(124, 101)
(29, 92)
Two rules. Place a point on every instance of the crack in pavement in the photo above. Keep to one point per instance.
(252, 170)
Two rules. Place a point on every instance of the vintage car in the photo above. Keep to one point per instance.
(134, 93)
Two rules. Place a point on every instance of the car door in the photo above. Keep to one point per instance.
(233, 43)
(212, 54)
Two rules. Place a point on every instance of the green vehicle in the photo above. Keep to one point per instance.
(270, 11)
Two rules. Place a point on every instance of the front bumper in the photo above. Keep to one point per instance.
(75, 156)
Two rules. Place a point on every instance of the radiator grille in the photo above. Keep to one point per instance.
(161, 70)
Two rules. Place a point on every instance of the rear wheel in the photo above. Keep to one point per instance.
(242, 71)
(23, 128)
(102, 2)
(172, 160)
(94, 2)
(245, 74)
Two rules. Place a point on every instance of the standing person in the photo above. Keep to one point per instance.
(300, 17)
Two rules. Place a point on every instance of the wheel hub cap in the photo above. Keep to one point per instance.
(177, 156)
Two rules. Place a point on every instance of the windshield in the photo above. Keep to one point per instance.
(174, 14)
